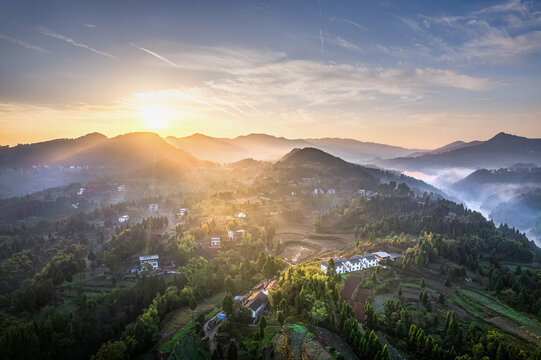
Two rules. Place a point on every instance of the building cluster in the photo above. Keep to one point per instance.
(357, 262)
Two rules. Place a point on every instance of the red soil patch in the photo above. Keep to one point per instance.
(355, 296)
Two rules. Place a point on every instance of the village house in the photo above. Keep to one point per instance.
(81, 191)
(236, 235)
(354, 263)
(153, 207)
(370, 261)
(215, 241)
(240, 215)
(149, 259)
(121, 188)
(182, 211)
(258, 301)
(123, 218)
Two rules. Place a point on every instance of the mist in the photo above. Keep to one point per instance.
(517, 205)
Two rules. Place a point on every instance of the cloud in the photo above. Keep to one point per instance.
(500, 33)
(411, 23)
(357, 25)
(22, 43)
(92, 26)
(55, 35)
(322, 41)
(156, 55)
(345, 44)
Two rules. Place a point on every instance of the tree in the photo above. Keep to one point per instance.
(441, 299)
(117, 350)
(280, 317)
(284, 305)
(423, 285)
(447, 281)
(227, 304)
(228, 283)
(232, 351)
(91, 256)
(262, 326)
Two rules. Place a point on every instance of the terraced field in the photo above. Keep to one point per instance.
(491, 310)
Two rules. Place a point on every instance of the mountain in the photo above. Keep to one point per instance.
(133, 150)
(508, 176)
(333, 171)
(267, 147)
(47, 152)
(28, 168)
(449, 147)
(503, 150)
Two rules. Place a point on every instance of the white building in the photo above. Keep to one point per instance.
(318, 191)
(81, 191)
(331, 191)
(182, 211)
(370, 261)
(123, 218)
(121, 188)
(215, 241)
(153, 207)
(240, 215)
(149, 259)
(354, 263)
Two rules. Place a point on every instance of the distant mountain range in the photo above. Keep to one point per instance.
(129, 151)
(503, 150)
(267, 147)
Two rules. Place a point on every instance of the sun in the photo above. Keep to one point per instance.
(156, 116)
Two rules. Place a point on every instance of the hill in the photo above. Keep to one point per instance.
(503, 150)
(133, 150)
(28, 168)
(336, 172)
(267, 147)
(47, 152)
(449, 147)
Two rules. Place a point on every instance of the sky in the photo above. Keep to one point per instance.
(413, 73)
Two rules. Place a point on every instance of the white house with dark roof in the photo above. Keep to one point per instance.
(370, 260)
(149, 259)
(354, 263)
(215, 241)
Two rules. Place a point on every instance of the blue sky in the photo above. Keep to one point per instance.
(411, 73)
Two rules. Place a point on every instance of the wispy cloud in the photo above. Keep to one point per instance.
(55, 35)
(22, 43)
(322, 40)
(345, 44)
(92, 26)
(500, 33)
(357, 25)
(156, 55)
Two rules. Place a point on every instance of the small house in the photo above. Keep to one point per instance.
(215, 241)
(121, 188)
(149, 259)
(81, 191)
(153, 207)
(123, 218)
